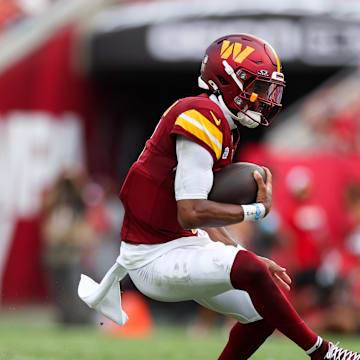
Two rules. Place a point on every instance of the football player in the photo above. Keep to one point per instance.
(165, 249)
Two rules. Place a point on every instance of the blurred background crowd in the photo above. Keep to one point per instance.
(84, 83)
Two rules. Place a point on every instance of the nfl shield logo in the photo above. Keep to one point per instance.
(225, 153)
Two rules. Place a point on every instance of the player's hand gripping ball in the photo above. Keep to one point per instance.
(235, 184)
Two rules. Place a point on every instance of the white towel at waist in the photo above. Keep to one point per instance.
(106, 296)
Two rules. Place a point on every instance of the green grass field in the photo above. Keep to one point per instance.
(32, 339)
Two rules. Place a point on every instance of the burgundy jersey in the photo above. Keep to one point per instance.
(148, 191)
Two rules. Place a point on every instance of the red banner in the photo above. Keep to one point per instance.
(44, 112)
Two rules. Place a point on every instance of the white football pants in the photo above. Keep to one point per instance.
(199, 273)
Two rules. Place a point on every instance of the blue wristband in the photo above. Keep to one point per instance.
(258, 211)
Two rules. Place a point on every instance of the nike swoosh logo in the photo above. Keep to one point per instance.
(217, 122)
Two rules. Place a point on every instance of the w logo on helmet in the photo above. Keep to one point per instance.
(234, 49)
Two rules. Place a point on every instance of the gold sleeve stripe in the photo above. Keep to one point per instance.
(200, 134)
(202, 128)
(193, 115)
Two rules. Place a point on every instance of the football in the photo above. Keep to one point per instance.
(235, 184)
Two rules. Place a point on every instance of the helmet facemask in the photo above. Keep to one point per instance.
(259, 99)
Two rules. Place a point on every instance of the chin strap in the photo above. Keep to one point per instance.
(248, 118)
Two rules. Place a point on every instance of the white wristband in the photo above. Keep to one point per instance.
(254, 212)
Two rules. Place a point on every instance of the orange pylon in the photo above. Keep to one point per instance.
(140, 323)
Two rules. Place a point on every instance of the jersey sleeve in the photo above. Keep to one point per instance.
(194, 175)
(202, 128)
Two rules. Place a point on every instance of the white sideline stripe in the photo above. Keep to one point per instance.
(203, 128)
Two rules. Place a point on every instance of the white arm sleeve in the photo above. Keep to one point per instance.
(194, 175)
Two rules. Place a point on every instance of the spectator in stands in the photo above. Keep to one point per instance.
(352, 243)
(341, 270)
(67, 236)
(305, 224)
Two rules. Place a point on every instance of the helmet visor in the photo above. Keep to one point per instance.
(267, 91)
(268, 99)
(275, 93)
